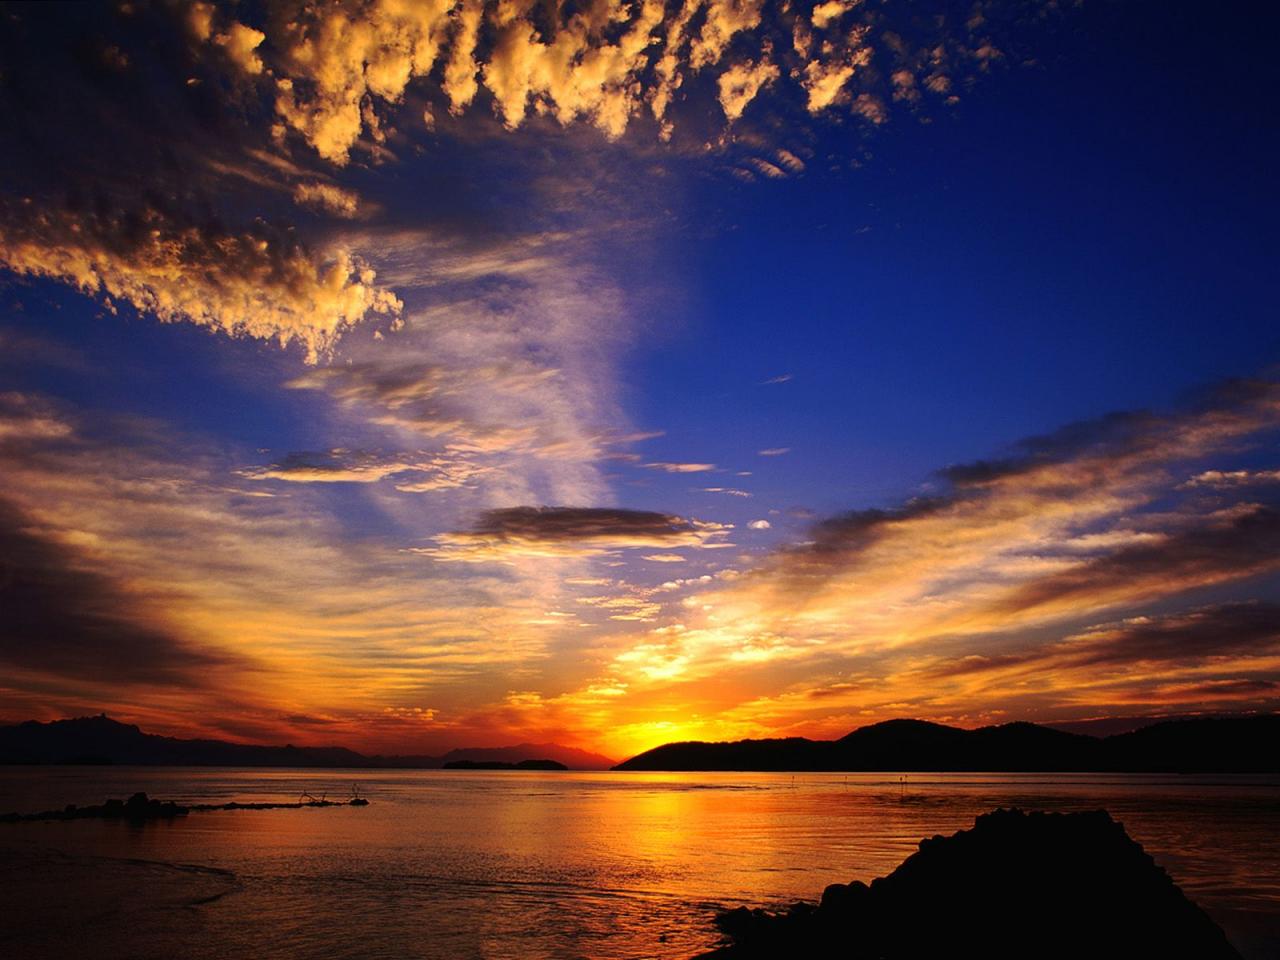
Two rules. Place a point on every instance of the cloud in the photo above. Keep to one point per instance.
(1220, 479)
(824, 79)
(728, 491)
(740, 84)
(1233, 632)
(723, 20)
(1216, 631)
(773, 451)
(759, 525)
(336, 466)
(335, 75)
(260, 283)
(824, 14)
(668, 467)
(23, 418)
(412, 475)
(436, 400)
(64, 619)
(516, 532)
(1044, 497)
(1242, 544)
(781, 378)
(595, 524)
(1212, 692)
(328, 197)
(333, 61)
(153, 217)
(254, 608)
(505, 362)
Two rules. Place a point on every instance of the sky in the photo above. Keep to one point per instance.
(414, 375)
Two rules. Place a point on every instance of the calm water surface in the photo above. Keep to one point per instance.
(505, 864)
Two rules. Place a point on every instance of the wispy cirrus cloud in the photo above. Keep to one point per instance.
(668, 467)
(1186, 638)
(504, 367)
(1220, 479)
(410, 474)
(727, 491)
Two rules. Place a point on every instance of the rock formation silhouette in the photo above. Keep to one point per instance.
(1015, 885)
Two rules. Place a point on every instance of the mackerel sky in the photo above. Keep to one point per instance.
(411, 375)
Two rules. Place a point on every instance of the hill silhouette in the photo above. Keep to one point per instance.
(101, 740)
(1224, 745)
(504, 765)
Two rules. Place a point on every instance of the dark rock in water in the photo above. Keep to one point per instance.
(137, 809)
(1016, 885)
(140, 808)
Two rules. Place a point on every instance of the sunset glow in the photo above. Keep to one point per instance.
(405, 376)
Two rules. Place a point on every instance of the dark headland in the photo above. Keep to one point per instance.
(1016, 885)
(1217, 745)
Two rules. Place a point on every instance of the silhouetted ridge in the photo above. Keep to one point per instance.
(101, 740)
(1016, 885)
(503, 765)
(1240, 744)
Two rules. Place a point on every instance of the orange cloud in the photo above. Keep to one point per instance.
(258, 283)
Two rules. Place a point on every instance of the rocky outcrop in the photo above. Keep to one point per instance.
(1016, 885)
(137, 808)
(140, 808)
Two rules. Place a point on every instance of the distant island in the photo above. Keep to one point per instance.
(1219, 745)
(502, 765)
(101, 740)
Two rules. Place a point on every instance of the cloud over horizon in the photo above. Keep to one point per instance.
(518, 532)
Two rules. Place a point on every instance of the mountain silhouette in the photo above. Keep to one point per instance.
(101, 740)
(504, 765)
(1217, 745)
